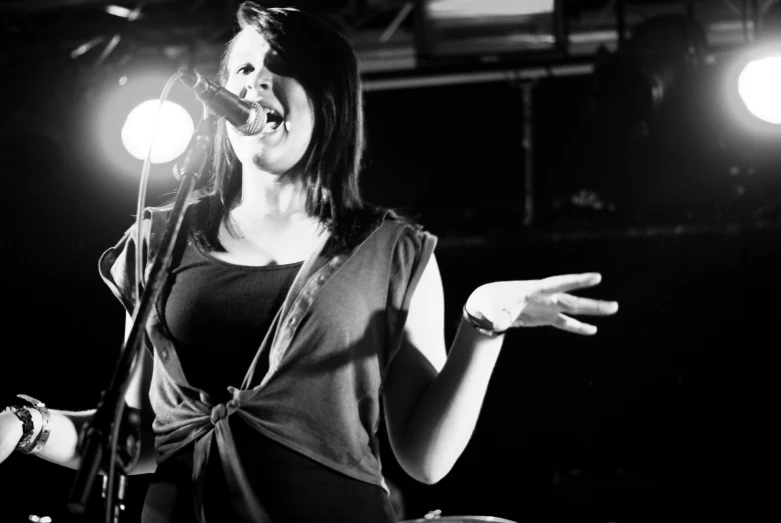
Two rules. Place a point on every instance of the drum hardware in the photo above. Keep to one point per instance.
(436, 515)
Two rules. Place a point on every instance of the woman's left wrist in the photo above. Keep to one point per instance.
(480, 323)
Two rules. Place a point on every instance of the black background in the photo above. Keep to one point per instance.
(665, 415)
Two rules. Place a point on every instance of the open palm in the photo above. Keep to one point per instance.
(536, 303)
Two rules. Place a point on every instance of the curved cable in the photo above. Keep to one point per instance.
(120, 407)
(144, 182)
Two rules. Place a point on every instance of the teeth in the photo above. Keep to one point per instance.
(271, 126)
(273, 120)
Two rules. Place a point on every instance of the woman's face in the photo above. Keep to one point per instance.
(278, 148)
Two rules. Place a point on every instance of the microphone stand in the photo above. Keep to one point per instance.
(95, 442)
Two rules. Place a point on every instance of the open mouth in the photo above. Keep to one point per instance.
(273, 121)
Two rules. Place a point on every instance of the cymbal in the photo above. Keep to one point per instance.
(459, 519)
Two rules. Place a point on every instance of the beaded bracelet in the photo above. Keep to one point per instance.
(30, 447)
(482, 326)
(28, 427)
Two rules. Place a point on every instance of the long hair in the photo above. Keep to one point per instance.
(309, 50)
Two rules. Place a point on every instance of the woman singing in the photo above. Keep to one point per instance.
(296, 315)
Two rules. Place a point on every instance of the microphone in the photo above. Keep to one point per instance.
(248, 118)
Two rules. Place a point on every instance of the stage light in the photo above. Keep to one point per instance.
(752, 90)
(751, 81)
(448, 31)
(174, 130)
(759, 86)
(108, 122)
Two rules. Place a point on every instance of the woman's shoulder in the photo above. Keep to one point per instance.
(404, 224)
(154, 223)
(156, 218)
(163, 212)
(402, 231)
(378, 217)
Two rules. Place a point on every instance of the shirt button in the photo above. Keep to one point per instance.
(164, 354)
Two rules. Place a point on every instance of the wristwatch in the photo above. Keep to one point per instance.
(25, 445)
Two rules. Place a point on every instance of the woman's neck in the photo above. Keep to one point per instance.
(269, 224)
(268, 197)
(272, 205)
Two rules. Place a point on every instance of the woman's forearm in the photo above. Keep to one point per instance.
(446, 413)
(62, 445)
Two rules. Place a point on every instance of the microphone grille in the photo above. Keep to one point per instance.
(255, 123)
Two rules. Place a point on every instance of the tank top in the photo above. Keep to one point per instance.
(220, 312)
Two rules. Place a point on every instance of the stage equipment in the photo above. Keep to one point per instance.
(247, 117)
(434, 516)
(758, 80)
(759, 86)
(488, 31)
(173, 131)
(636, 79)
(110, 442)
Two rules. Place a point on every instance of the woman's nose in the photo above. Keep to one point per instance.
(261, 81)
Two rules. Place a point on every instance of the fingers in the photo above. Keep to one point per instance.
(569, 282)
(568, 324)
(584, 306)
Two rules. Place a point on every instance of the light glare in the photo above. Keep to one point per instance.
(470, 8)
(116, 10)
(759, 86)
(174, 130)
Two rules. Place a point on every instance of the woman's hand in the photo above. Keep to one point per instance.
(10, 433)
(535, 303)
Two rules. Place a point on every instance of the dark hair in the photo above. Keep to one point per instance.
(308, 49)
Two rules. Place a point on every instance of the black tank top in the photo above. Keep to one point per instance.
(218, 314)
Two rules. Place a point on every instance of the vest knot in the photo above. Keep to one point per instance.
(222, 411)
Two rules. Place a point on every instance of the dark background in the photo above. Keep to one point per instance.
(665, 415)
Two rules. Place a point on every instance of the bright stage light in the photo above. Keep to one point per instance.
(174, 130)
(122, 140)
(759, 85)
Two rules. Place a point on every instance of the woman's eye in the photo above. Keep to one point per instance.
(245, 69)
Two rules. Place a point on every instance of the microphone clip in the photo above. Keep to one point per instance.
(198, 150)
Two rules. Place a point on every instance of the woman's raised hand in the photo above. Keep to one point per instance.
(535, 303)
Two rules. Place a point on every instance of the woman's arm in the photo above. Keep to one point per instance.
(432, 399)
(62, 446)
(62, 443)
